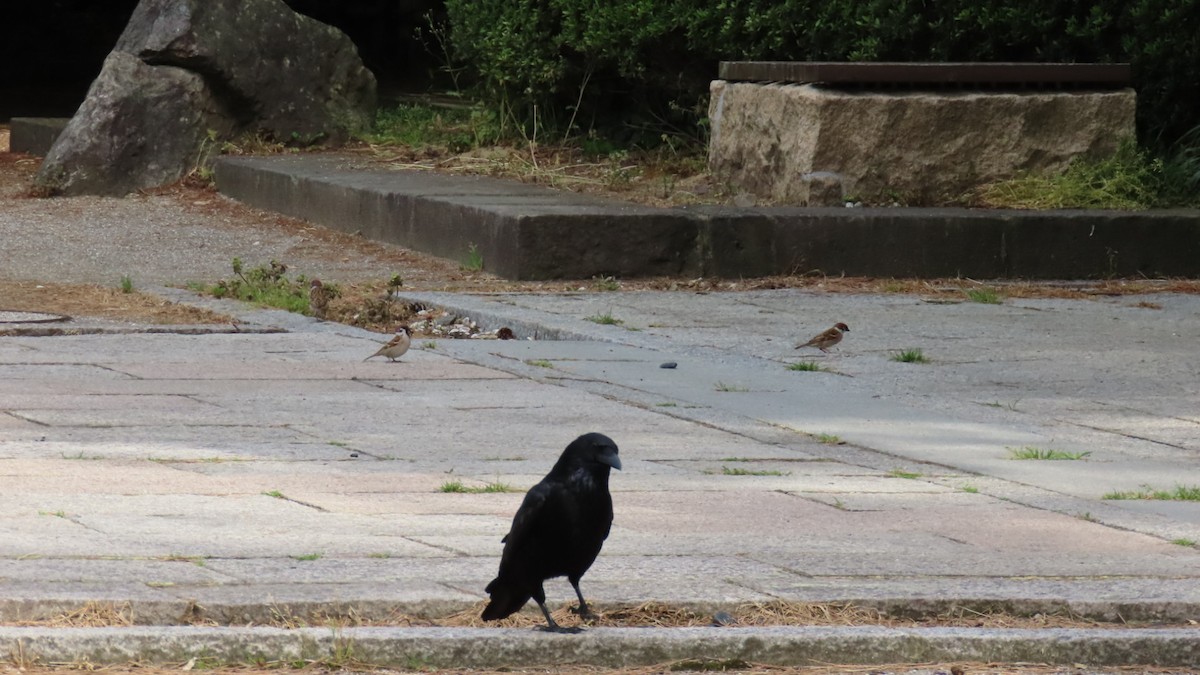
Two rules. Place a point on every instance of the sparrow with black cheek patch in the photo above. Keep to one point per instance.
(397, 346)
(318, 299)
(827, 339)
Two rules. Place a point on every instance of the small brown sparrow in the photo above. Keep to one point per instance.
(318, 299)
(827, 339)
(397, 346)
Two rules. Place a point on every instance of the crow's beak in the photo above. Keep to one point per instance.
(610, 458)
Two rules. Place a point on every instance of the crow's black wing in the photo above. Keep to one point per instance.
(528, 547)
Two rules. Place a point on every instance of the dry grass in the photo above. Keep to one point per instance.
(965, 668)
(661, 615)
(97, 301)
(90, 615)
(658, 178)
(648, 614)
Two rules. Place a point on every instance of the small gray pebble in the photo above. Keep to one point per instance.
(723, 619)
(669, 364)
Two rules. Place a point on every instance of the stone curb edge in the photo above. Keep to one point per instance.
(606, 647)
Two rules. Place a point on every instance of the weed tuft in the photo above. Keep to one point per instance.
(606, 319)
(807, 367)
(457, 487)
(737, 471)
(606, 283)
(1181, 493)
(912, 355)
(985, 296)
(1129, 179)
(1030, 452)
(267, 285)
(474, 259)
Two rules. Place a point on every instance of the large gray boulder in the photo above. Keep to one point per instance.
(188, 74)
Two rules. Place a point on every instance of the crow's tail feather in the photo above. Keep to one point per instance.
(506, 600)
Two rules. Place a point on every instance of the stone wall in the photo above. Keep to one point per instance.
(804, 144)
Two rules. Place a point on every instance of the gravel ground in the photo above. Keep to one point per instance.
(175, 236)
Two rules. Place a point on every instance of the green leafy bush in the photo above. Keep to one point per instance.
(641, 67)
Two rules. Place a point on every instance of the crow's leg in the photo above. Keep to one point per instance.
(551, 625)
(582, 610)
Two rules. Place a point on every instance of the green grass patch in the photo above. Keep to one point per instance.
(606, 284)
(985, 296)
(606, 319)
(722, 386)
(452, 128)
(276, 494)
(1030, 452)
(473, 261)
(1181, 493)
(1130, 179)
(1183, 542)
(457, 486)
(970, 489)
(126, 284)
(997, 404)
(736, 471)
(900, 473)
(807, 367)
(266, 285)
(913, 355)
(540, 363)
(307, 557)
(829, 439)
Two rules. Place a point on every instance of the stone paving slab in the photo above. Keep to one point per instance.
(1027, 372)
(274, 476)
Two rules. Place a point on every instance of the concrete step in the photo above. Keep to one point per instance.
(530, 232)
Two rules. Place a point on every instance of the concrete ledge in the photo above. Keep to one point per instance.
(606, 647)
(529, 232)
(947, 242)
(521, 231)
(35, 135)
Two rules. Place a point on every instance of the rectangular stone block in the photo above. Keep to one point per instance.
(807, 144)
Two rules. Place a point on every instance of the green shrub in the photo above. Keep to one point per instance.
(641, 67)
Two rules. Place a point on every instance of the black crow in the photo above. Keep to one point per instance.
(559, 529)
